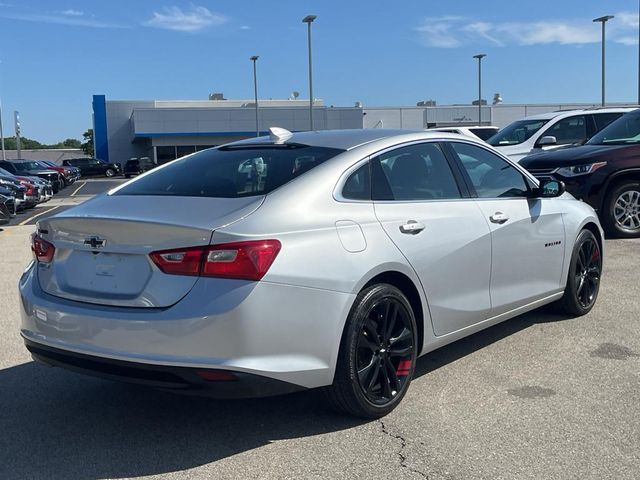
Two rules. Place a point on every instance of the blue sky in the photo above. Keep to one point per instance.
(55, 54)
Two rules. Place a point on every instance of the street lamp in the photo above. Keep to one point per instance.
(254, 59)
(603, 20)
(309, 20)
(480, 56)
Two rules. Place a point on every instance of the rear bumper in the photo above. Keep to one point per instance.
(281, 332)
(179, 379)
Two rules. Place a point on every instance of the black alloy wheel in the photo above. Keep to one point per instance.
(377, 354)
(585, 270)
(384, 351)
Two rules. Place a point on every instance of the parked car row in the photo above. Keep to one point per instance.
(26, 183)
(594, 152)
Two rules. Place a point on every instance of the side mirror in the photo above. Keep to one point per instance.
(547, 140)
(550, 188)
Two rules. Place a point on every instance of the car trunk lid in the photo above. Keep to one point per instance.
(103, 246)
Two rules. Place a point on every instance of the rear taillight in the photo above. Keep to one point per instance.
(43, 251)
(242, 260)
(29, 187)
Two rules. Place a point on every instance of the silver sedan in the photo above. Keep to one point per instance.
(319, 259)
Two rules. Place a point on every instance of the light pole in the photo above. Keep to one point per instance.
(638, 52)
(480, 56)
(254, 59)
(309, 20)
(603, 20)
(4, 155)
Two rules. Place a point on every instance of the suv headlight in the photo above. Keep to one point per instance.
(580, 169)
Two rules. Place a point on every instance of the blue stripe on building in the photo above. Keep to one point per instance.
(100, 139)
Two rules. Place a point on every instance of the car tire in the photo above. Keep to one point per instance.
(621, 215)
(377, 355)
(127, 176)
(583, 278)
(109, 172)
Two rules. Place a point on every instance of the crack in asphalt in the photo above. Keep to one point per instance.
(403, 444)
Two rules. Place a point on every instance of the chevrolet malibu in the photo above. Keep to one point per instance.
(319, 259)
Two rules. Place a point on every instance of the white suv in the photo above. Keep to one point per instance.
(483, 132)
(552, 130)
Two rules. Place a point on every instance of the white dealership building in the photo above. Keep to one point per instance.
(164, 130)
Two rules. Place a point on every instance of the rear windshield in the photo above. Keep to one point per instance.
(516, 132)
(26, 166)
(231, 172)
(483, 133)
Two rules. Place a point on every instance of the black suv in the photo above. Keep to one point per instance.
(604, 172)
(30, 168)
(91, 166)
(136, 166)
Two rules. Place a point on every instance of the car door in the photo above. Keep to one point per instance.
(426, 211)
(527, 234)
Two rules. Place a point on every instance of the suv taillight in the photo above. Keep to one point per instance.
(43, 251)
(242, 260)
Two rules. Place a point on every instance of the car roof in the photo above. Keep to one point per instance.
(347, 139)
(569, 113)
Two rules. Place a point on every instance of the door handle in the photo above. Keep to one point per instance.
(412, 227)
(499, 218)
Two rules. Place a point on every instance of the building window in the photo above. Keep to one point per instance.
(183, 150)
(165, 154)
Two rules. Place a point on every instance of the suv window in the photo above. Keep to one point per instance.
(415, 172)
(491, 176)
(231, 172)
(568, 130)
(517, 132)
(604, 119)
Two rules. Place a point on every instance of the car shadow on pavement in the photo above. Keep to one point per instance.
(465, 346)
(54, 423)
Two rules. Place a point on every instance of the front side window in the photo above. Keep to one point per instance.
(415, 172)
(569, 130)
(231, 172)
(516, 132)
(491, 176)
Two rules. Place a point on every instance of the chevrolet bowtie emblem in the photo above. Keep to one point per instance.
(95, 242)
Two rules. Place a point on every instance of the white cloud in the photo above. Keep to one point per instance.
(440, 32)
(192, 20)
(245, 27)
(452, 32)
(61, 20)
(73, 13)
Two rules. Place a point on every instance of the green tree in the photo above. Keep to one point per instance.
(72, 143)
(87, 145)
(25, 143)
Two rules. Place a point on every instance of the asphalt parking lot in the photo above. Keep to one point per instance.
(80, 191)
(540, 396)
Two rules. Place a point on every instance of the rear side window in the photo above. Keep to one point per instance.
(231, 172)
(415, 172)
(604, 119)
(358, 185)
